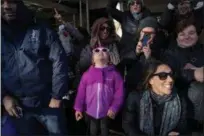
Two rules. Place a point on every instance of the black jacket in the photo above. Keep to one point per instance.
(169, 19)
(129, 28)
(178, 57)
(135, 67)
(33, 62)
(131, 118)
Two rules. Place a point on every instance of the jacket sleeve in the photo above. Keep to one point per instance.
(115, 13)
(199, 17)
(182, 125)
(188, 74)
(74, 32)
(4, 91)
(167, 18)
(59, 65)
(130, 116)
(81, 93)
(119, 94)
(85, 59)
(171, 58)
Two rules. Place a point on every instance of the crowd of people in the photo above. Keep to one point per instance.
(152, 78)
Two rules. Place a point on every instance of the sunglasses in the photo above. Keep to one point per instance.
(164, 75)
(97, 50)
(105, 28)
(135, 2)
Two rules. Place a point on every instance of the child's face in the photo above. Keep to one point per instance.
(101, 54)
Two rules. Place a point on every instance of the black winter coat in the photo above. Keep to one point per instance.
(34, 64)
(178, 57)
(131, 118)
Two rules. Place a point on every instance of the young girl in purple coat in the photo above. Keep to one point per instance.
(100, 92)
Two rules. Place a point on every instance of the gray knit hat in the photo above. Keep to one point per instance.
(148, 22)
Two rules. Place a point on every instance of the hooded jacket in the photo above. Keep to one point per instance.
(129, 28)
(34, 65)
(99, 93)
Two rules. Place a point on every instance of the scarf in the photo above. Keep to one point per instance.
(137, 16)
(170, 117)
(160, 99)
(114, 54)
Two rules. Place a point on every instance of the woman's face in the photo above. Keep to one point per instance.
(104, 31)
(188, 37)
(101, 54)
(135, 6)
(162, 80)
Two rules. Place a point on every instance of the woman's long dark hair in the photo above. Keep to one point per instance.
(149, 70)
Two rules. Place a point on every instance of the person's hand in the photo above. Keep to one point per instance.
(78, 115)
(58, 16)
(189, 66)
(54, 103)
(111, 114)
(173, 134)
(170, 6)
(10, 105)
(139, 48)
(147, 51)
(199, 74)
(199, 5)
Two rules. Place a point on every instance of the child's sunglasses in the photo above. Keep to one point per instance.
(97, 50)
(163, 75)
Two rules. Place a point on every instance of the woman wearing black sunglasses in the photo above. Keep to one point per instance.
(157, 110)
(102, 34)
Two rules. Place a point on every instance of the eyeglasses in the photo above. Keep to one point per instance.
(105, 28)
(163, 75)
(135, 2)
(97, 50)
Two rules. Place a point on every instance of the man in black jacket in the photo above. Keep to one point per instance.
(34, 71)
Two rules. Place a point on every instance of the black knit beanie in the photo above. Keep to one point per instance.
(148, 22)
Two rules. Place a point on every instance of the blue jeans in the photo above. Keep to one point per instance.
(53, 120)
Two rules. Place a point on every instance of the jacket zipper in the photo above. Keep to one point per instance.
(16, 53)
(98, 103)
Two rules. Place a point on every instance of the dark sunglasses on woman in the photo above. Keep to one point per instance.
(97, 50)
(135, 2)
(102, 28)
(163, 75)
